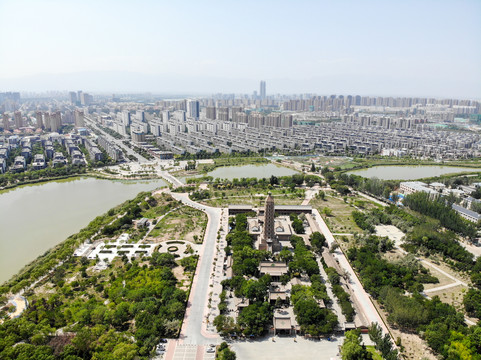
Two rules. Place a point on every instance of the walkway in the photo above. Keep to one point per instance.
(370, 198)
(362, 297)
(171, 179)
(194, 329)
(335, 304)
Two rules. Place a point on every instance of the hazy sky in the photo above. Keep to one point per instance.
(387, 47)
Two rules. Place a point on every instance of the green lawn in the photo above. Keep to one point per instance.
(374, 352)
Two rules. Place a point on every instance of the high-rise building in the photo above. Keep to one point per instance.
(79, 118)
(165, 115)
(18, 119)
(39, 117)
(223, 114)
(6, 122)
(140, 115)
(46, 121)
(236, 110)
(73, 97)
(193, 109)
(84, 98)
(126, 120)
(210, 112)
(263, 89)
(56, 121)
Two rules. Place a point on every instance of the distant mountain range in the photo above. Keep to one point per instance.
(122, 82)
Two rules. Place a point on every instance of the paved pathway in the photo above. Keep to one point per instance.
(370, 198)
(362, 297)
(171, 179)
(335, 304)
(194, 328)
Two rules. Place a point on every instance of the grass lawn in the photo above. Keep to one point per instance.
(374, 352)
(340, 220)
(254, 197)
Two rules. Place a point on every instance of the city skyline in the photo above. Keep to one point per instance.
(422, 48)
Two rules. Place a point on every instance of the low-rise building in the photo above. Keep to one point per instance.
(38, 162)
(410, 187)
(59, 159)
(467, 214)
(19, 164)
(273, 268)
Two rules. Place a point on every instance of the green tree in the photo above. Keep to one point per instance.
(254, 318)
(227, 354)
(352, 349)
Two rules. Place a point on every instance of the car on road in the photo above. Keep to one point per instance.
(160, 349)
(211, 350)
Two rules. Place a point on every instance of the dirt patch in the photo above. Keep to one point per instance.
(415, 348)
(182, 278)
(453, 296)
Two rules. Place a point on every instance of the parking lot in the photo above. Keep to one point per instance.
(285, 348)
(177, 351)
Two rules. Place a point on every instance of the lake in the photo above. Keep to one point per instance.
(35, 218)
(248, 171)
(408, 172)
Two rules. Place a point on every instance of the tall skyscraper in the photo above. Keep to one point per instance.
(263, 89)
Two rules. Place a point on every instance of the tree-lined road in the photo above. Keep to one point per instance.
(362, 297)
(193, 331)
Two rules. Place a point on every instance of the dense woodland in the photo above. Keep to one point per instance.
(440, 324)
(78, 313)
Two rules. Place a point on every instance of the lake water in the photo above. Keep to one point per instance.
(35, 218)
(249, 171)
(408, 172)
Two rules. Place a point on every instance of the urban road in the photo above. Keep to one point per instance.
(117, 142)
(194, 336)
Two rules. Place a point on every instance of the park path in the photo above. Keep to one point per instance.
(361, 296)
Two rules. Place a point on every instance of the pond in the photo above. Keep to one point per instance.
(35, 218)
(249, 171)
(410, 172)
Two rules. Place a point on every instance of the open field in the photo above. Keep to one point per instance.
(253, 200)
(184, 223)
(453, 296)
(340, 220)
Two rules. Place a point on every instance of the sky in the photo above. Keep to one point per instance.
(379, 48)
